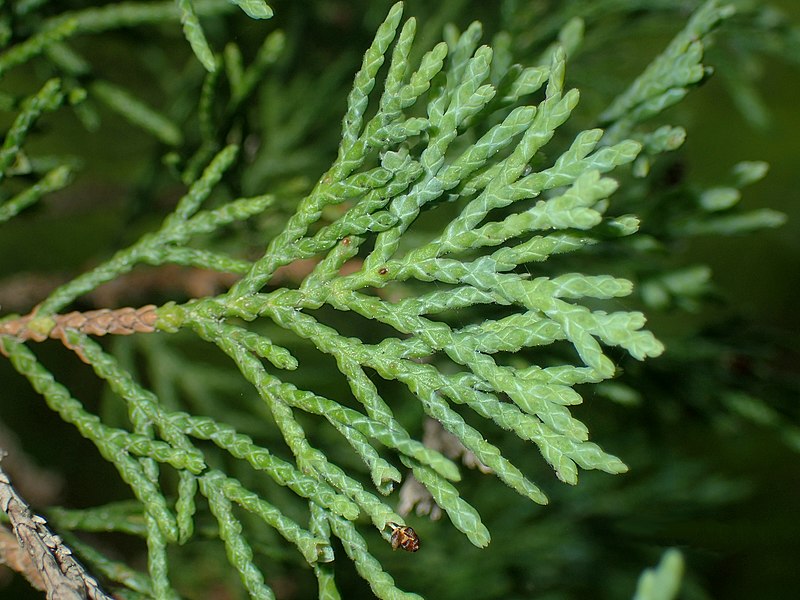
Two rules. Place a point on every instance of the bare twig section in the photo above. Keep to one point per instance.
(45, 561)
(118, 321)
(15, 558)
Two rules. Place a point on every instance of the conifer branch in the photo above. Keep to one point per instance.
(477, 319)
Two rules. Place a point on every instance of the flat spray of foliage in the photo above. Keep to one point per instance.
(452, 308)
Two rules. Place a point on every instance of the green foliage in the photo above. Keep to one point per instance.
(662, 582)
(474, 254)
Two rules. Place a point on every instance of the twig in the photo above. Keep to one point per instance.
(119, 321)
(46, 561)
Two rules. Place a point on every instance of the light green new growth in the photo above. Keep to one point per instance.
(662, 582)
(460, 133)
